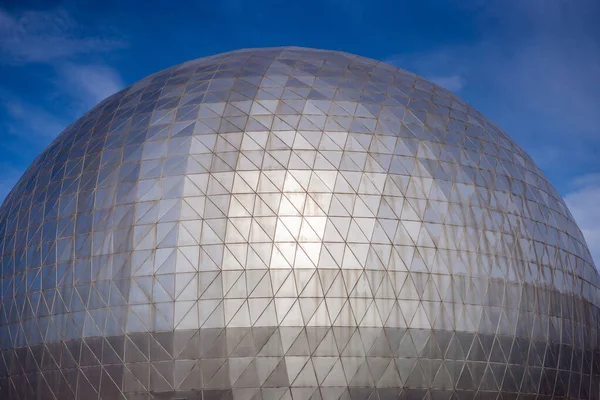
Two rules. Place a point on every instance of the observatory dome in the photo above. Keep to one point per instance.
(288, 223)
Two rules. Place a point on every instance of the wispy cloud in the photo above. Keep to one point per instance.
(89, 83)
(35, 36)
(453, 83)
(26, 129)
(64, 49)
(583, 202)
(534, 68)
(442, 66)
(29, 121)
(55, 39)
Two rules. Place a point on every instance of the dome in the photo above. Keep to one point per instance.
(287, 223)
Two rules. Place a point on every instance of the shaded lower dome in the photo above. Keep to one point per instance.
(278, 224)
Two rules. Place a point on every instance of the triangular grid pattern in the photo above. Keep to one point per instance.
(290, 223)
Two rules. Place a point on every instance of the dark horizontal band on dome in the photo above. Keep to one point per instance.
(214, 361)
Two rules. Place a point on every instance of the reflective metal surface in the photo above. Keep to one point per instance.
(298, 224)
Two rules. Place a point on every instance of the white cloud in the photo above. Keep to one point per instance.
(90, 83)
(454, 83)
(549, 80)
(79, 87)
(29, 121)
(35, 36)
(584, 204)
(440, 66)
(534, 69)
(53, 40)
(27, 128)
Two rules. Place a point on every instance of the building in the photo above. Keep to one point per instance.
(288, 223)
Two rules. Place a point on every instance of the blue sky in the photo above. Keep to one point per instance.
(532, 66)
